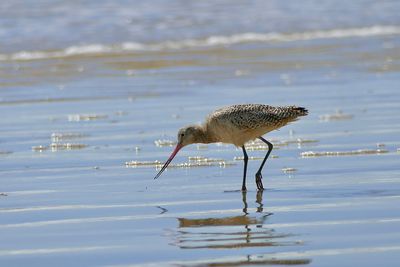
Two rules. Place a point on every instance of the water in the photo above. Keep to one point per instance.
(87, 87)
(52, 25)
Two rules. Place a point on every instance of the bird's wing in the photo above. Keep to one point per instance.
(254, 116)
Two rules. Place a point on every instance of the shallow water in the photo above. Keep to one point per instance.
(74, 114)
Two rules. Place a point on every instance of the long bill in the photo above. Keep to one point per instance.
(176, 150)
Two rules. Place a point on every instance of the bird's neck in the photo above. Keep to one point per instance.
(204, 136)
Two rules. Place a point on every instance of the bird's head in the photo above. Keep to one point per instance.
(187, 135)
(190, 135)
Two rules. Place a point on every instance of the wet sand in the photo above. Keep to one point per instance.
(80, 145)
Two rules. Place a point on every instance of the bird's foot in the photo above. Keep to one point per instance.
(244, 189)
(259, 183)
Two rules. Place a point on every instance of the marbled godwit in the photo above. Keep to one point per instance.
(237, 125)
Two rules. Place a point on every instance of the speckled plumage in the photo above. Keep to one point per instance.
(252, 116)
(238, 124)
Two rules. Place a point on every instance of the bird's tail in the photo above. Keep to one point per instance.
(299, 111)
(292, 113)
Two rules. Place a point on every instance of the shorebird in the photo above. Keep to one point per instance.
(238, 124)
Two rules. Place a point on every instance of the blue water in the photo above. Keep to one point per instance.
(138, 71)
(43, 25)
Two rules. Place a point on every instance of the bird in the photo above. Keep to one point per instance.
(238, 124)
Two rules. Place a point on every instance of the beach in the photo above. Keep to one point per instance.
(93, 95)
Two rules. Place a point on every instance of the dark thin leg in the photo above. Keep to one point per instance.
(258, 174)
(245, 159)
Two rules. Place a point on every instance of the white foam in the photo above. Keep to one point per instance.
(219, 40)
(87, 49)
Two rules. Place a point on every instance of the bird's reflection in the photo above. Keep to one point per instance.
(232, 232)
(259, 201)
(246, 230)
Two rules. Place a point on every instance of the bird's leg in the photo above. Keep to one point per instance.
(258, 174)
(245, 159)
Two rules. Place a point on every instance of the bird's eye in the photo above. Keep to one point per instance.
(182, 134)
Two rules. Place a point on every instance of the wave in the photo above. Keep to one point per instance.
(212, 41)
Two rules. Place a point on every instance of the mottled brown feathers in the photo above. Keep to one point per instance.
(253, 116)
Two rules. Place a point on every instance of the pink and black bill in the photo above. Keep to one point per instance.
(176, 150)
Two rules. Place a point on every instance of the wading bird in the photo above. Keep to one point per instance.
(237, 125)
